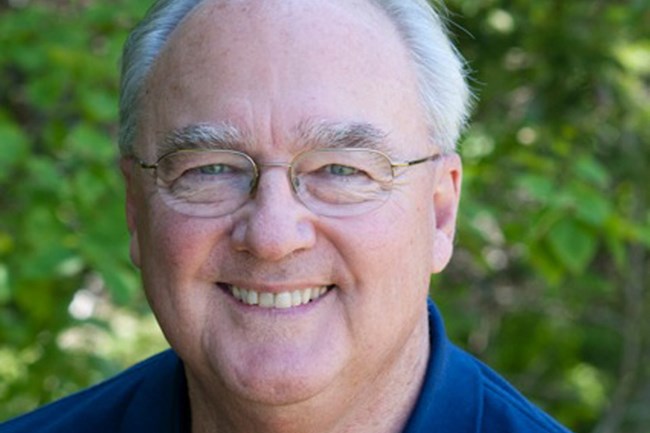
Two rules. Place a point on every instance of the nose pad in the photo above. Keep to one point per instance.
(295, 183)
(252, 187)
(256, 181)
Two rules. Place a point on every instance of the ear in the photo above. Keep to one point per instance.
(445, 201)
(126, 166)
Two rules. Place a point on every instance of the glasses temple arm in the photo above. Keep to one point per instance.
(144, 164)
(415, 161)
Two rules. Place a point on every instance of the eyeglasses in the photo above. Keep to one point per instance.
(329, 182)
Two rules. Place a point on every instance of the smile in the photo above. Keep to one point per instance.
(280, 300)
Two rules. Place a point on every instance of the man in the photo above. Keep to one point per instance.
(291, 186)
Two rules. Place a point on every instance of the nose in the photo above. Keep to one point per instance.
(274, 224)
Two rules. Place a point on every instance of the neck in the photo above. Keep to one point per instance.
(381, 404)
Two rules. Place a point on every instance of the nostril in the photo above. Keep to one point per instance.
(272, 231)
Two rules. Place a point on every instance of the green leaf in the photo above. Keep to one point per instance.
(15, 147)
(617, 249)
(572, 244)
(538, 187)
(591, 205)
(122, 282)
(44, 175)
(589, 169)
(99, 106)
(89, 143)
(5, 290)
(47, 91)
(545, 265)
(642, 235)
(6, 243)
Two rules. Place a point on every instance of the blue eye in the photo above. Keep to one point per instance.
(214, 169)
(341, 170)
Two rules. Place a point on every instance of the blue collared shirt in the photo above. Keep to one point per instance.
(459, 395)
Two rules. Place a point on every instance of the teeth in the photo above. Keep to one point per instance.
(252, 298)
(296, 298)
(277, 300)
(283, 300)
(306, 296)
(267, 300)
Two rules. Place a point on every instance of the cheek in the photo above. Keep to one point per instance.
(175, 247)
(408, 227)
(178, 273)
(394, 242)
(386, 255)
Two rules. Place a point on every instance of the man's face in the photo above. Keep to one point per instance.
(267, 68)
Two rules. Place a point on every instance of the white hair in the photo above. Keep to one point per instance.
(441, 71)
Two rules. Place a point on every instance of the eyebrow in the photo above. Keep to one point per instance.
(336, 135)
(203, 136)
(309, 135)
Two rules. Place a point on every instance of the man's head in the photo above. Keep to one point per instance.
(275, 79)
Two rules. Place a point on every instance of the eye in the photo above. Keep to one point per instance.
(213, 169)
(341, 170)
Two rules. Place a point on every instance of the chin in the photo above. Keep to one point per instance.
(283, 384)
(277, 373)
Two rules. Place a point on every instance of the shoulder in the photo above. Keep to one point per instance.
(504, 409)
(103, 407)
(461, 394)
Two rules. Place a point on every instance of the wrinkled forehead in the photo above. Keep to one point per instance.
(238, 61)
(321, 32)
(222, 18)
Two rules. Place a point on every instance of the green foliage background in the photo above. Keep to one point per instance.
(550, 279)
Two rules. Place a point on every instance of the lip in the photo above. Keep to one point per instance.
(276, 298)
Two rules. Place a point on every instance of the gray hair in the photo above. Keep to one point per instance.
(441, 71)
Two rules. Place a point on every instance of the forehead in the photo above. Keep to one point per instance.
(268, 66)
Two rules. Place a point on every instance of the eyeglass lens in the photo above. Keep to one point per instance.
(333, 182)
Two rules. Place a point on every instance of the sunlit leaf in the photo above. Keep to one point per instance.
(573, 244)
